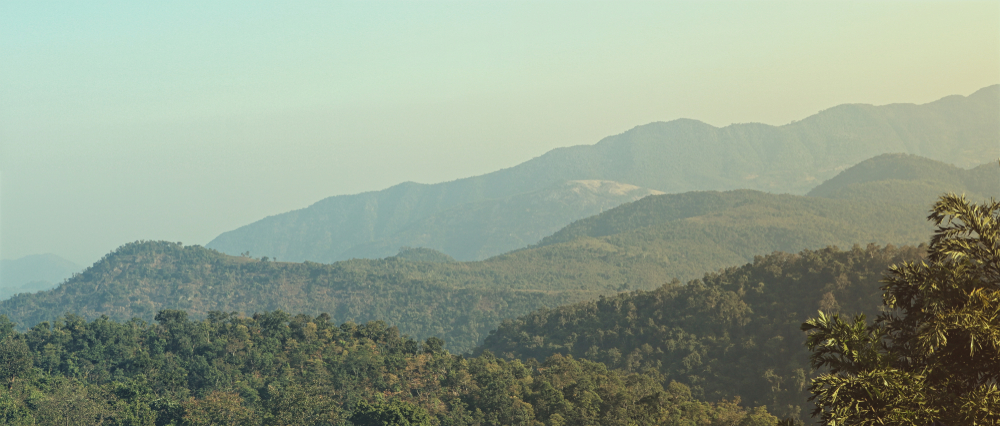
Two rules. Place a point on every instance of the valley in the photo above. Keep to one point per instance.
(661, 276)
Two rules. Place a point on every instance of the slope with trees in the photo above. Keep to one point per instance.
(461, 301)
(733, 333)
(449, 300)
(476, 231)
(276, 369)
(903, 178)
(636, 246)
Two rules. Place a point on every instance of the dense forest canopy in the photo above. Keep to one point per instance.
(733, 333)
(276, 369)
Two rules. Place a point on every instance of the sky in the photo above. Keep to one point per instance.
(124, 121)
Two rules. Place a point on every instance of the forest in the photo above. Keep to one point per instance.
(500, 213)
(590, 326)
(277, 369)
(641, 245)
(733, 333)
(722, 350)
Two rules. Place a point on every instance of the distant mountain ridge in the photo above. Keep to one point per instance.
(677, 156)
(895, 185)
(476, 231)
(425, 294)
(34, 273)
(637, 245)
(376, 224)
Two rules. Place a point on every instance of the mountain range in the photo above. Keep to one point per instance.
(677, 156)
(639, 245)
(34, 273)
(476, 231)
(601, 278)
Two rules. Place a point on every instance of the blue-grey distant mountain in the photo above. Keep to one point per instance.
(677, 156)
(34, 273)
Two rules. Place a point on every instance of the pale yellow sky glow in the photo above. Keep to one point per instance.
(179, 121)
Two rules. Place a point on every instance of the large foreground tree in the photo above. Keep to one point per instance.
(934, 354)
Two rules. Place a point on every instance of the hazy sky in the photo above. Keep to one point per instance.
(178, 120)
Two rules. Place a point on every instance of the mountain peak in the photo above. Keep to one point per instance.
(992, 92)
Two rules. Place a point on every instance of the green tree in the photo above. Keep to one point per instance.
(13, 409)
(75, 404)
(392, 413)
(935, 354)
(217, 408)
(15, 359)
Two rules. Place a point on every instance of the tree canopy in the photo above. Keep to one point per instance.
(934, 354)
(733, 333)
(278, 369)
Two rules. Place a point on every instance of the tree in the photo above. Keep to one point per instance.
(217, 408)
(75, 404)
(934, 354)
(392, 413)
(15, 359)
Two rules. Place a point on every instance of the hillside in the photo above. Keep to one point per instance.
(457, 302)
(881, 200)
(676, 156)
(729, 228)
(909, 178)
(477, 231)
(731, 333)
(421, 254)
(275, 369)
(640, 245)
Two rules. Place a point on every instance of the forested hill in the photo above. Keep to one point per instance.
(421, 292)
(676, 156)
(275, 369)
(729, 228)
(902, 178)
(456, 302)
(888, 195)
(731, 333)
